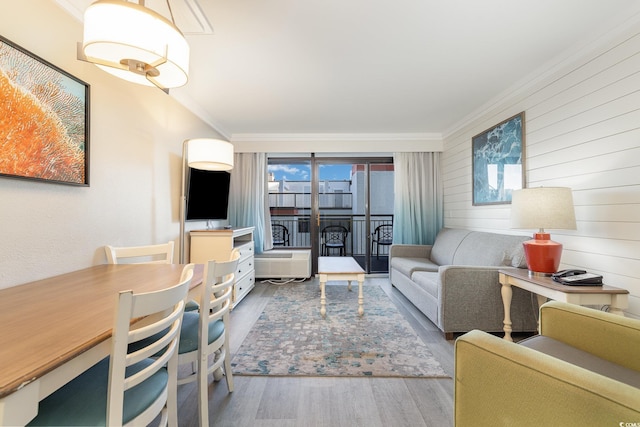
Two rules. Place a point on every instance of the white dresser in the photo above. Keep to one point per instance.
(217, 244)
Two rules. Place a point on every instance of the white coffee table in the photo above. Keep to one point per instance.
(340, 268)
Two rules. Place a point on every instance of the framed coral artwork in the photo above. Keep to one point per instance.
(497, 156)
(44, 119)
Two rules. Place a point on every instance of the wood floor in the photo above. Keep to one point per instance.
(335, 402)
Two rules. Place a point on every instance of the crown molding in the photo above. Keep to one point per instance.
(338, 142)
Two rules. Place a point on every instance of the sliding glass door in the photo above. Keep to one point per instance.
(335, 207)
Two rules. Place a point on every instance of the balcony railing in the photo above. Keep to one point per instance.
(303, 200)
(357, 239)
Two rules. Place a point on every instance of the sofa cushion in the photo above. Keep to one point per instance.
(580, 358)
(446, 245)
(515, 256)
(407, 266)
(426, 280)
(488, 249)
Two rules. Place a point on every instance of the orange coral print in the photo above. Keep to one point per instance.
(42, 132)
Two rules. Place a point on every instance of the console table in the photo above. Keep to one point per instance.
(544, 287)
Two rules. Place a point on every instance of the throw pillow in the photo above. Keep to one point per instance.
(518, 259)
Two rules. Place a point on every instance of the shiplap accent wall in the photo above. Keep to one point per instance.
(582, 131)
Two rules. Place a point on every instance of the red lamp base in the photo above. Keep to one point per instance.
(542, 254)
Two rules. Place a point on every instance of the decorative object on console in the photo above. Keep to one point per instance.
(543, 207)
(135, 43)
(204, 154)
(45, 119)
(497, 156)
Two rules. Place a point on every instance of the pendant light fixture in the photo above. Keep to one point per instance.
(135, 43)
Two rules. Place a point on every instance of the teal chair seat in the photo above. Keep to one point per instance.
(191, 305)
(189, 332)
(83, 401)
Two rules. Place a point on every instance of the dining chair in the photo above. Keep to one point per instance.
(150, 254)
(381, 236)
(206, 332)
(334, 237)
(128, 387)
(280, 235)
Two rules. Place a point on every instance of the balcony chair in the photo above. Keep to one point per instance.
(128, 387)
(280, 235)
(334, 237)
(382, 235)
(150, 254)
(205, 333)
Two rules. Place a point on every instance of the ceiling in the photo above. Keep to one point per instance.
(289, 67)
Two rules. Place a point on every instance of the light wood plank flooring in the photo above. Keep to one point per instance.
(304, 401)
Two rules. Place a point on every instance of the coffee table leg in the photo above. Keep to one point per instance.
(360, 297)
(507, 294)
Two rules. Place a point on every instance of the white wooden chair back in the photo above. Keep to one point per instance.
(215, 304)
(166, 308)
(216, 295)
(150, 254)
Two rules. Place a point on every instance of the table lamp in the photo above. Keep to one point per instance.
(540, 208)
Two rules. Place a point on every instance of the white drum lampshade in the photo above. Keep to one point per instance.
(210, 154)
(135, 43)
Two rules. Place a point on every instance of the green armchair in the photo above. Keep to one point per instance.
(582, 369)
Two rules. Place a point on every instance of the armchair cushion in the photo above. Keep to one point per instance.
(585, 360)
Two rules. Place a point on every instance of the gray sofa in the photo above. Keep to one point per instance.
(454, 282)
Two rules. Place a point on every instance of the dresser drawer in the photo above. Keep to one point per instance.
(242, 287)
(245, 266)
(246, 251)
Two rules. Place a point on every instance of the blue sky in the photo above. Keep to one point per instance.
(302, 172)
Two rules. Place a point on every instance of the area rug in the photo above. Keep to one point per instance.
(291, 337)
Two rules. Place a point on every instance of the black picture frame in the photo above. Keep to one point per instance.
(44, 119)
(498, 166)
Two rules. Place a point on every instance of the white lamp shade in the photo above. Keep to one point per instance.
(210, 154)
(119, 36)
(543, 207)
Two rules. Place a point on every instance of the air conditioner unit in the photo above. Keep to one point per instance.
(283, 264)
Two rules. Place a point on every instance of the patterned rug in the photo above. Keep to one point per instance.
(291, 337)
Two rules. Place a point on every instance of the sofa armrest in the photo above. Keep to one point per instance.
(410, 251)
(469, 292)
(502, 383)
(609, 336)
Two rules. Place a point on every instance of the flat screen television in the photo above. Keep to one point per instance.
(207, 194)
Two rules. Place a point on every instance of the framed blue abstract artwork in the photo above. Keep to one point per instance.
(498, 161)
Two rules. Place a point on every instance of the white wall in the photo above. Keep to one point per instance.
(582, 131)
(135, 153)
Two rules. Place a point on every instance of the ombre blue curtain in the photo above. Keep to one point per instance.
(248, 197)
(418, 203)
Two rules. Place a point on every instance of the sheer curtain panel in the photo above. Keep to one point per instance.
(248, 200)
(418, 205)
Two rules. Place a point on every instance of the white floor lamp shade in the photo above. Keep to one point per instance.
(210, 154)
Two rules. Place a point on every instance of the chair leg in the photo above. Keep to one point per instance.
(227, 366)
(203, 389)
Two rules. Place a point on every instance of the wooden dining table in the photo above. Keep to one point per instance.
(53, 329)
